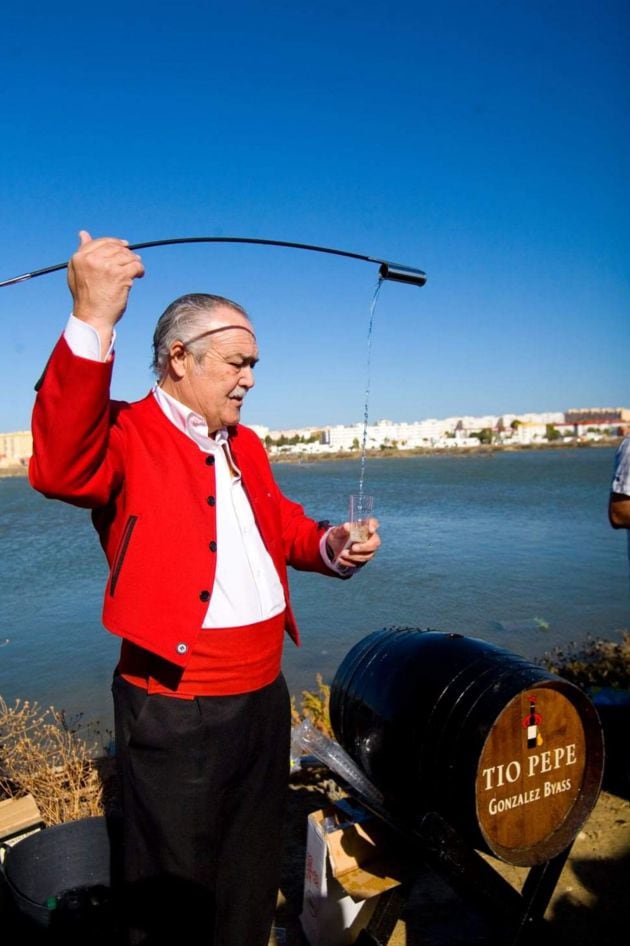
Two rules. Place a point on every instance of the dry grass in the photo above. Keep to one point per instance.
(315, 706)
(41, 755)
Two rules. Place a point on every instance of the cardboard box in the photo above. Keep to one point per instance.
(19, 817)
(351, 858)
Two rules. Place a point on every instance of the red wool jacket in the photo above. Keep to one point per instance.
(152, 494)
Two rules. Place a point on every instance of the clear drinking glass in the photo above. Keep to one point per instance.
(360, 511)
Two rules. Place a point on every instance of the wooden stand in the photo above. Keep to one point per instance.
(513, 918)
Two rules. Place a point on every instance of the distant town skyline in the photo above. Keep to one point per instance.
(525, 428)
(603, 415)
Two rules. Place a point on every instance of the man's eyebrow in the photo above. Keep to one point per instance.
(253, 359)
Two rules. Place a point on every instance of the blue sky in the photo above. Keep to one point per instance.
(487, 144)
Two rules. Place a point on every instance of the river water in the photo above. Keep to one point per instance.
(512, 548)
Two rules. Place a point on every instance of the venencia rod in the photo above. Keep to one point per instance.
(396, 272)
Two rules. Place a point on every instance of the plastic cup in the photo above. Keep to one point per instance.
(360, 511)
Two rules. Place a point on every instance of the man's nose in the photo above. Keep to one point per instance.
(246, 378)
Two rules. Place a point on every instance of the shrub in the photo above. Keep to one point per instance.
(41, 755)
(596, 663)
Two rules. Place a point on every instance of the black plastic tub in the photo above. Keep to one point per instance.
(59, 882)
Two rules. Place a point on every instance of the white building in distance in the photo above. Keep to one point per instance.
(15, 448)
(447, 433)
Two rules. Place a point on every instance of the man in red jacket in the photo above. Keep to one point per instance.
(198, 538)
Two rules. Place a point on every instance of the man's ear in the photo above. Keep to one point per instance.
(178, 358)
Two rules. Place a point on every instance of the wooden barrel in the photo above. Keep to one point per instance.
(508, 753)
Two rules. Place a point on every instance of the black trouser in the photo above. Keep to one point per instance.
(204, 785)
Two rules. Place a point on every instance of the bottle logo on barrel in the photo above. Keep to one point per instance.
(531, 722)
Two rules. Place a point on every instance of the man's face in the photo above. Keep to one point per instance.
(216, 386)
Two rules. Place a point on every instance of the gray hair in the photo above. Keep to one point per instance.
(186, 320)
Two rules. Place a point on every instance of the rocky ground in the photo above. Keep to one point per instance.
(590, 905)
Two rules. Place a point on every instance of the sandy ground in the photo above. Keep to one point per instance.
(590, 905)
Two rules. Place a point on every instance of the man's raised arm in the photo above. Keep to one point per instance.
(71, 418)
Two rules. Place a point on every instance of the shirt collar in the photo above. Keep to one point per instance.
(185, 419)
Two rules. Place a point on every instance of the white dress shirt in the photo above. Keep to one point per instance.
(246, 586)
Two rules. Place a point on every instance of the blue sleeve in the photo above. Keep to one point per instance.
(621, 477)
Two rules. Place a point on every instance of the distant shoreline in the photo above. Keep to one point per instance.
(6, 472)
(481, 450)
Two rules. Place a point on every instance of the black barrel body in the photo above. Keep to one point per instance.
(441, 722)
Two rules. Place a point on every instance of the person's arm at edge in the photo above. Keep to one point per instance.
(619, 511)
(619, 498)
